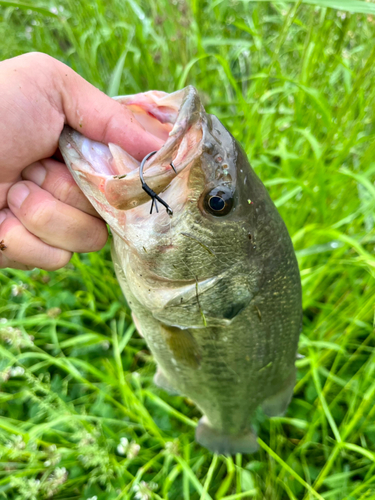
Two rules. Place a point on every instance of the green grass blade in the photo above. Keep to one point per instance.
(355, 6)
(27, 6)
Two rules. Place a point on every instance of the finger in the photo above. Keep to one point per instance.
(38, 94)
(23, 250)
(101, 118)
(55, 222)
(54, 177)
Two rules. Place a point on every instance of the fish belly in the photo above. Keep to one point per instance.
(227, 371)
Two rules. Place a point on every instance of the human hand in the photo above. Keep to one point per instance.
(44, 216)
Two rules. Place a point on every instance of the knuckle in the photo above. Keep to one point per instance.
(8, 226)
(23, 250)
(41, 59)
(57, 259)
(68, 192)
(39, 214)
(98, 237)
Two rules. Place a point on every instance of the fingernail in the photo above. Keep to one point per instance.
(17, 194)
(3, 216)
(35, 173)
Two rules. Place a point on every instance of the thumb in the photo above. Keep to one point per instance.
(100, 118)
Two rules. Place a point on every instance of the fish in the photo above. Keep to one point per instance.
(215, 288)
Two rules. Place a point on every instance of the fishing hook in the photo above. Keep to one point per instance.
(149, 191)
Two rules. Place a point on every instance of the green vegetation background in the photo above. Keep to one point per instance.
(295, 83)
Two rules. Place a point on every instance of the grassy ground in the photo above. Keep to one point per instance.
(79, 415)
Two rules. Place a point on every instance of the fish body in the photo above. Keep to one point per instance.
(215, 289)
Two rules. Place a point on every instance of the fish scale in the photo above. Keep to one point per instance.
(215, 290)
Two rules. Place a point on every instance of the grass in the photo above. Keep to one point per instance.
(295, 83)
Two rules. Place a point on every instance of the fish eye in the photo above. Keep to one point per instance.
(218, 201)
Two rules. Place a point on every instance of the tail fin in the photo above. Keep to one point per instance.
(218, 442)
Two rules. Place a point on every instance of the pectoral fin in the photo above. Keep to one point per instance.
(162, 381)
(182, 345)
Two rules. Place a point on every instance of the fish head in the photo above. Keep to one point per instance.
(201, 262)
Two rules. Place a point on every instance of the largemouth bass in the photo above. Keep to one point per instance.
(215, 289)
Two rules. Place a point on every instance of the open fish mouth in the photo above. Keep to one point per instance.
(109, 175)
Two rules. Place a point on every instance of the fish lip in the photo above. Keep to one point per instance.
(189, 113)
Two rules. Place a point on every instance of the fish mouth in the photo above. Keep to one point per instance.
(108, 174)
